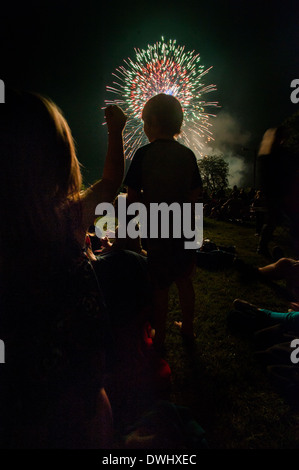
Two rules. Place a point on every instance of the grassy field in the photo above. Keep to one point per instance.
(226, 389)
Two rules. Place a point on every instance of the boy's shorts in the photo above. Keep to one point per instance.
(170, 264)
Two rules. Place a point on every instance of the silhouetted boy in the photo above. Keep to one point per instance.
(166, 171)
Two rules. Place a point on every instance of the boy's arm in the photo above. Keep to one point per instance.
(195, 194)
(196, 189)
(105, 189)
(133, 195)
(133, 179)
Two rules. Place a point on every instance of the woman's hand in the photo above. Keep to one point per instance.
(115, 118)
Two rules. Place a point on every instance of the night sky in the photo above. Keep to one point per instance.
(68, 51)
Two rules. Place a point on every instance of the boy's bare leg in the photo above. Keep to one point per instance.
(187, 301)
(160, 314)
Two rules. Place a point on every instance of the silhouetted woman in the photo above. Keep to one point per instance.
(52, 320)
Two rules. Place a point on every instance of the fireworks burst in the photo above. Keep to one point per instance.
(164, 68)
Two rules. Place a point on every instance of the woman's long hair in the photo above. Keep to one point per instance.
(49, 309)
(40, 180)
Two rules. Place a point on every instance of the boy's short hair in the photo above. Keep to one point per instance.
(167, 110)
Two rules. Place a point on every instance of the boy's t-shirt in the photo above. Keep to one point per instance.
(165, 170)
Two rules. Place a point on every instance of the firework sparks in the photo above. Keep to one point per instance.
(164, 68)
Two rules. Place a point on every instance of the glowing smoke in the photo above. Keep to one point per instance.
(230, 142)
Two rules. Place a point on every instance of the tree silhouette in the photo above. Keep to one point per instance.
(214, 172)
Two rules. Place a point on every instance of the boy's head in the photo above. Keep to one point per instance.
(162, 115)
